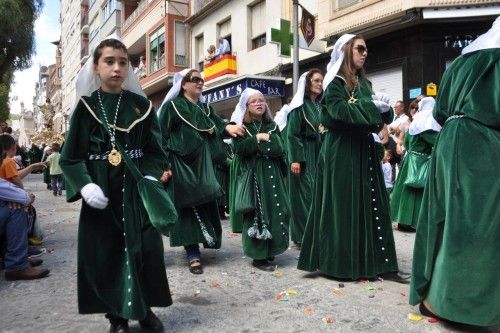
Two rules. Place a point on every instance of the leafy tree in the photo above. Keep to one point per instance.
(17, 42)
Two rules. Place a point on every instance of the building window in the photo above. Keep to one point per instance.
(108, 9)
(341, 4)
(258, 19)
(180, 44)
(157, 50)
(199, 52)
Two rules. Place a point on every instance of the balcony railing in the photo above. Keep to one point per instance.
(135, 14)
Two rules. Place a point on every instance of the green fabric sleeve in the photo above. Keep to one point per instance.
(220, 124)
(361, 113)
(295, 147)
(246, 146)
(74, 154)
(155, 160)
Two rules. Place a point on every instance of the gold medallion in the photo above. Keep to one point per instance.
(352, 100)
(114, 157)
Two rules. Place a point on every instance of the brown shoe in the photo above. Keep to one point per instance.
(29, 273)
(35, 262)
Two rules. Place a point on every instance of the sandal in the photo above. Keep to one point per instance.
(195, 266)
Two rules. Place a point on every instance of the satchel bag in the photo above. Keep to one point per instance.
(418, 168)
(245, 192)
(156, 200)
(194, 178)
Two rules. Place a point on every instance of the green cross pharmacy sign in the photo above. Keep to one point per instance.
(283, 37)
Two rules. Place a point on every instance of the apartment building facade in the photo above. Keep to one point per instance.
(155, 35)
(410, 43)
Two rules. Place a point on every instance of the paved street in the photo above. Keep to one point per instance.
(230, 297)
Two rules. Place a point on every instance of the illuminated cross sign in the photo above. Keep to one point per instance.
(283, 37)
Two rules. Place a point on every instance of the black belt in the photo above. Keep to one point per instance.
(133, 154)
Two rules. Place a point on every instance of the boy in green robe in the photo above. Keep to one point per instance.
(121, 269)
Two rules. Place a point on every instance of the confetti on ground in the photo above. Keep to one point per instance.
(371, 296)
(328, 320)
(432, 320)
(370, 287)
(234, 235)
(279, 296)
(291, 292)
(308, 311)
(337, 292)
(50, 250)
(224, 273)
(278, 273)
(362, 281)
(403, 293)
(341, 285)
(214, 285)
(197, 292)
(414, 317)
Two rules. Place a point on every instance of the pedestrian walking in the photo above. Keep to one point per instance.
(193, 134)
(121, 270)
(348, 233)
(455, 258)
(56, 175)
(260, 194)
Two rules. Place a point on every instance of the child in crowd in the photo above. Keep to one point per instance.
(56, 174)
(387, 169)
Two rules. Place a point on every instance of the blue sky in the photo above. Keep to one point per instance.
(47, 30)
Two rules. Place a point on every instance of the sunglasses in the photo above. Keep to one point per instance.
(361, 49)
(196, 80)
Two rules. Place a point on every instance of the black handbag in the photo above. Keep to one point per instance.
(194, 178)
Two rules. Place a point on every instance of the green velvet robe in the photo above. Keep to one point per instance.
(405, 200)
(269, 164)
(180, 138)
(121, 268)
(303, 144)
(455, 259)
(348, 233)
(234, 174)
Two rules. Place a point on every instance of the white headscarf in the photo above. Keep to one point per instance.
(336, 59)
(176, 87)
(423, 119)
(298, 99)
(488, 40)
(241, 107)
(87, 81)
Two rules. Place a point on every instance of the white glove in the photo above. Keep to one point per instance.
(93, 196)
(381, 106)
(381, 97)
(150, 178)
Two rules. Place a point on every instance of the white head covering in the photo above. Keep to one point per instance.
(336, 59)
(241, 107)
(488, 40)
(423, 119)
(176, 87)
(298, 99)
(87, 81)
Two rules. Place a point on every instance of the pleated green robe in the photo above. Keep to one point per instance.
(455, 259)
(269, 164)
(184, 130)
(120, 254)
(405, 200)
(303, 144)
(348, 233)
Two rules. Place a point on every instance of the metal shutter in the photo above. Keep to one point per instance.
(389, 81)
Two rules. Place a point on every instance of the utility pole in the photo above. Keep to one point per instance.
(295, 45)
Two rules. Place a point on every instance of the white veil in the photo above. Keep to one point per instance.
(336, 59)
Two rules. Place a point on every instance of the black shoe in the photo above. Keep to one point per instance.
(151, 322)
(34, 262)
(263, 264)
(195, 269)
(399, 277)
(405, 228)
(118, 324)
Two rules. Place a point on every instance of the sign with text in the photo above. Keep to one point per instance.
(234, 89)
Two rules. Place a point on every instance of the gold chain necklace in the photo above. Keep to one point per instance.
(351, 95)
(114, 156)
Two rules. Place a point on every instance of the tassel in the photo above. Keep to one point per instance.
(253, 231)
(204, 231)
(265, 234)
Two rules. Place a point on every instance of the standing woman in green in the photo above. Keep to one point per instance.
(348, 233)
(455, 258)
(121, 270)
(193, 134)
(303, 142)
(262, 170)
(409, 187)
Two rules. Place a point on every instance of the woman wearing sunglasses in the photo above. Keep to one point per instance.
(348, 234)
(192, 134)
